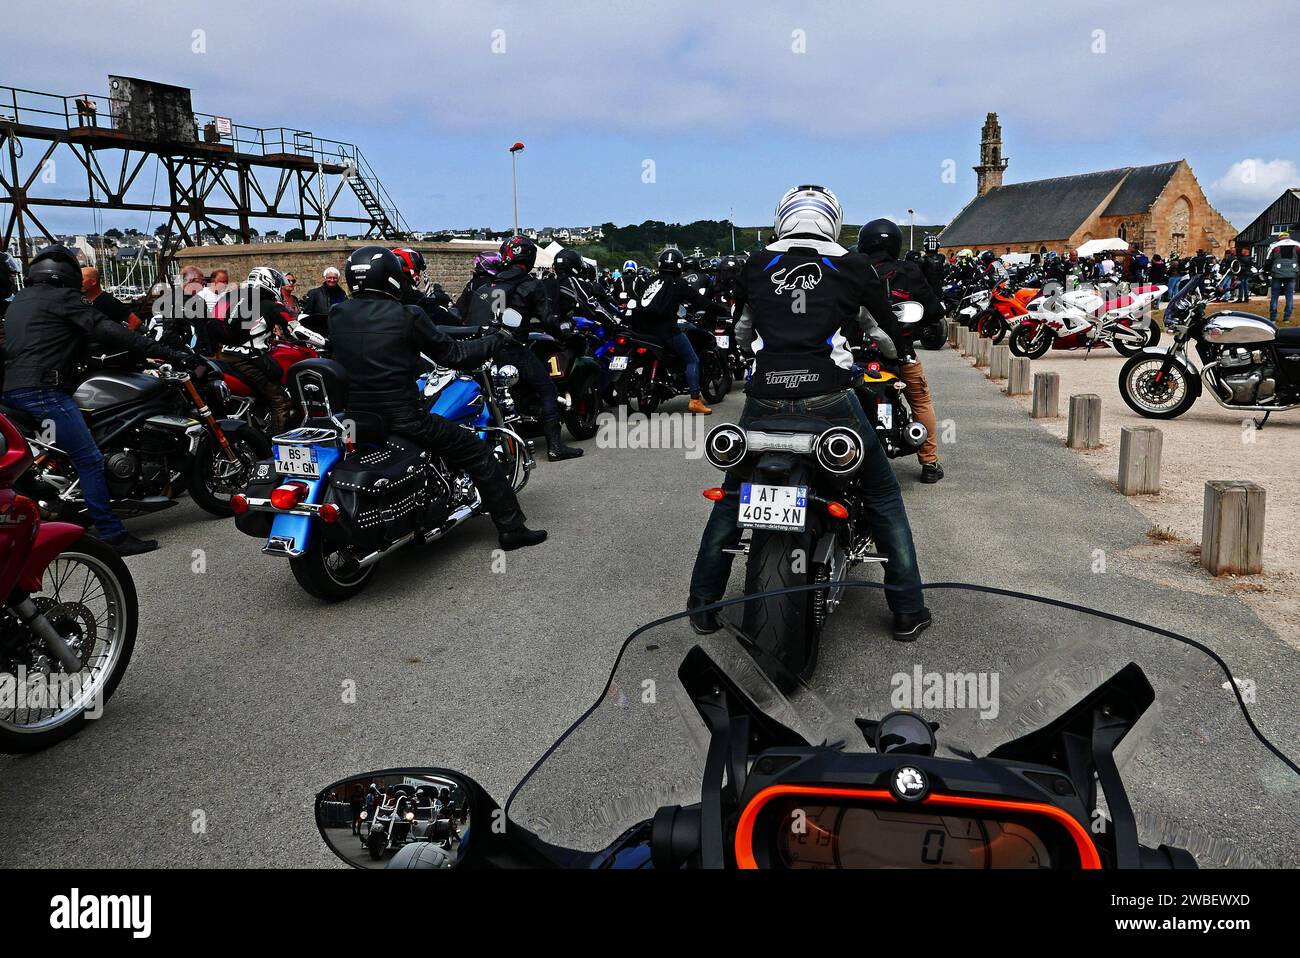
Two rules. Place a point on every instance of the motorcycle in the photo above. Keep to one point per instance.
(69, 619)
(1246, 362)
(340, 494)
(883, 394)
(1087, 317)
(1003, 309)
(722, 768)
(576, 375)
(302, 343)
(650, 373)
(159, 437)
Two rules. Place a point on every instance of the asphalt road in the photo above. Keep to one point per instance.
(233, 712)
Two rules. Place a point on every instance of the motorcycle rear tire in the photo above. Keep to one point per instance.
(715, 378)
(783, 626)
(313, 573)
(1129, 349)
(934, 335)
(580, 420)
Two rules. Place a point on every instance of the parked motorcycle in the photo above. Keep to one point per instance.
(69, 619)
(160, 438)
(723, 769)
(1088, 317)
(1003, 310)
(884, 395)
(1247, 363)
(650, 373)
(340, 494)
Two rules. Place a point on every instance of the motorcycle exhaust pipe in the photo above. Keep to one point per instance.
(916, 434)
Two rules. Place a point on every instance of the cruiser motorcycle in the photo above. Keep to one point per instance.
(722, 768)
(1246, 362)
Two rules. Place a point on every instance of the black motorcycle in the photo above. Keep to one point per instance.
(160, 438)
(649, 372)
(567, 358)
(883, 393)
(721, 769)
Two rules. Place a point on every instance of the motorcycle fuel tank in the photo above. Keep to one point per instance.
(1232, 327)
(460, 401)
(113, 389)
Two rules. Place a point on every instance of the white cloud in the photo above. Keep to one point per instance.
(1257, 181)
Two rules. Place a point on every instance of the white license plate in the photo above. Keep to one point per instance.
(618, 362)
(724, 342)
(773, 507)
(297, 461)
(885, 413)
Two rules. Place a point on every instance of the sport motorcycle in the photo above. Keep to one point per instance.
(69, 618)
(1246, 362)
(1003, 310)
(693, 756)
(650, 372)
(883, 394)
(160, 438)
(1088, 317)
(301, 343)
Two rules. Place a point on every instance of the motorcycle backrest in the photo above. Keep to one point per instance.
(319, 386)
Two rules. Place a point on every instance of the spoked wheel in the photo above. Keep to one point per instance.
(1153, 392)
(1031, 341)
(89, 598)
(513, 458)
(214, 478)
(328, 573)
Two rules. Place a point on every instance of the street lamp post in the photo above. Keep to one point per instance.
(911, 231)
(514, 180)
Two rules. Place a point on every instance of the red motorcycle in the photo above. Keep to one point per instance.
(1004, 311)
(252, 409)
(68, 620)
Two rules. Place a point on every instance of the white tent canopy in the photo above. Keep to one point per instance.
(546, 256)
(1112, 245)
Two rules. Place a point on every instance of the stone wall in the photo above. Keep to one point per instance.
(448, 263)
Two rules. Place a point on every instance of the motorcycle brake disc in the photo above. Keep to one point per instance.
(75, 623)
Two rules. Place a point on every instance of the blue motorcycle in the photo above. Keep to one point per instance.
(340, 494)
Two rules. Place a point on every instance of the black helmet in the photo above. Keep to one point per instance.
(913, 256)
(881, 236)
(568, 262)
(672, 261)
(376, 269)
(988, 256)
(519, 251)
(931, 243)
(55, 266)
(729, 266)
(691, 262)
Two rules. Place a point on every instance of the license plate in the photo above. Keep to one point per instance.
(724, 342)
(885, 413)
(773, 507)
(297, 461)
(618, 362)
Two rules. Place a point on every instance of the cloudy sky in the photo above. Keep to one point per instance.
(677, 111)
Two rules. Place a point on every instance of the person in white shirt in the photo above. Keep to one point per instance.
(1283, 266)
(218, 283)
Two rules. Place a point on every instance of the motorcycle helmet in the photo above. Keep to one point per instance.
(568, 262)
(629, 266)
(488, 264)
(809, 211)
(375, 269)
(881, 236)
(672, 261)
(266, 278)
(645, 272)
(931, 243)
(55, 265)
(691, 263)
(728, 266)
(988, 256)
(519, 251)
(412, 262)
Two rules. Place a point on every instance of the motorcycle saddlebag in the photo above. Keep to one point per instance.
(380, 494)
(260, 486)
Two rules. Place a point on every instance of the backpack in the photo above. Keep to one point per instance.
(487, 303)
(1285, 263)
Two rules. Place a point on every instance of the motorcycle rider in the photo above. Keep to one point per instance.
(47, 326)
(656, 316)
(571, 295)
(433, 302)
(933, 264)
(486, 265)
(629, 285)
(378, 339)
(880, 241)
(811, 340)
(244, 323)
(516, 300)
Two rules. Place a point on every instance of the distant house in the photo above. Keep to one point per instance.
(1282, 216)
(1159, 208)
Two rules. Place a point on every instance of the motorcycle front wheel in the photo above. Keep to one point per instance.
(325, 572)
(1031, 342)
(89, 597)
(214, 479)
(992, 325)
(934, 335)
(1152, 394)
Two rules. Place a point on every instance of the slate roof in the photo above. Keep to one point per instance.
(1053, 209)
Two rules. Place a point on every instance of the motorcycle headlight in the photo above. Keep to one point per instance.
(507, 375)
(840, 450)
(724, 446)
(409, 816)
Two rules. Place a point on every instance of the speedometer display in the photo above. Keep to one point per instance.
(874, 836)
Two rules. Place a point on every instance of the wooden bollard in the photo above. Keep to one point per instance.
(999, 362)
(1232, 529)
(953, 330)
(1139, 460)
(1084, 431)
(963, 341)
(1018, 376)
(1047, 396)
(982, 347)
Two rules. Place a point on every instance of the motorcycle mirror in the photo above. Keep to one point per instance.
(399, 818)
(909, 312)
(903, 732)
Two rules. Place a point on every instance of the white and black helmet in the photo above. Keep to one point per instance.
(809, 211)
(267, 278)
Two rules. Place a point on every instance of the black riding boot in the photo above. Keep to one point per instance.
(556, 450)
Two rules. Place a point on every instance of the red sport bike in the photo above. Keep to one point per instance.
(68, 619)
(1004, 311)
(244, 404)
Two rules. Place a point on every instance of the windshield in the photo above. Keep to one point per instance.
(993, 667)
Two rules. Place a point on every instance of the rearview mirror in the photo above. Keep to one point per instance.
(399, 818)
(909, 312)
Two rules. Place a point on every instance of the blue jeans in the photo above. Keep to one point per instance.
(1174, 283)
(73, 436)
(1280, 286)
(886, 518)
(681, 345)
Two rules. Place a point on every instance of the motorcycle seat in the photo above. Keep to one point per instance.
(461, 332)
(790, 423)
(20, 418)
